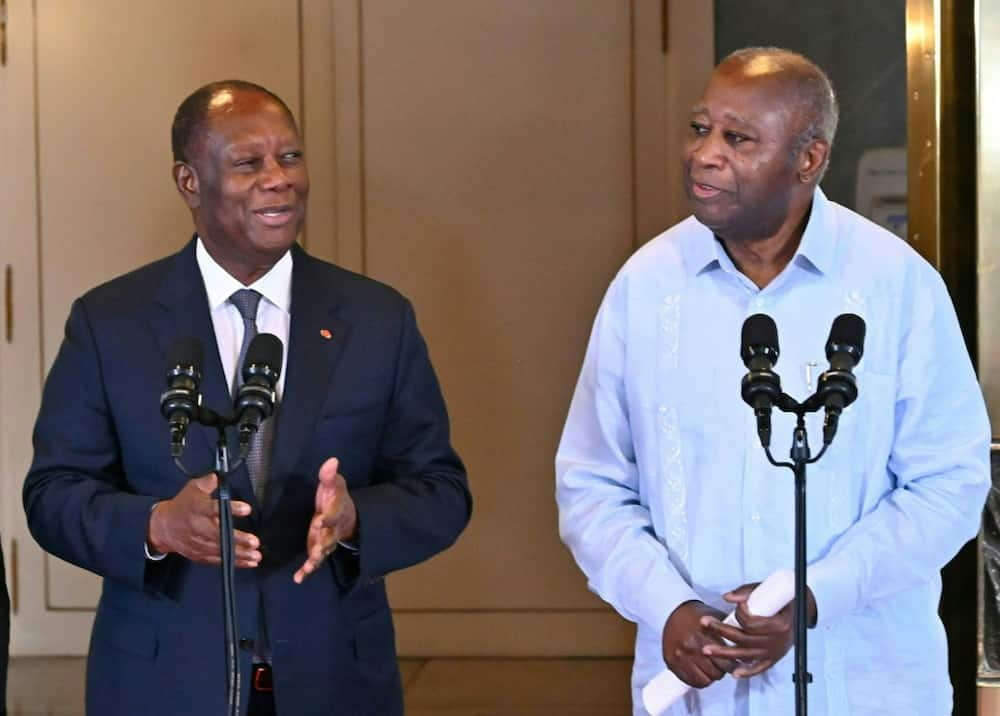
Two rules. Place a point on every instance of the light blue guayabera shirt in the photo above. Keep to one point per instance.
(665, 494)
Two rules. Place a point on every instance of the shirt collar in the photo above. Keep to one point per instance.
(817, 245)
(704, 252)
(275, 285)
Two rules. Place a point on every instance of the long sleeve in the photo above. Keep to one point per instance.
(939, 461)
(76, 497)
(602, 516)
(420, 500)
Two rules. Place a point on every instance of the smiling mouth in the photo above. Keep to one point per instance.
(275, 215)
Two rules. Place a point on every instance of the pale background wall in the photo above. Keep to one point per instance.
(496, 161)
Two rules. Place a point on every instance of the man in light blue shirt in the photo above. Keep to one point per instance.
(666, 498)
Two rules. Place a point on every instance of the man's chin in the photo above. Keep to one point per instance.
(711, 220)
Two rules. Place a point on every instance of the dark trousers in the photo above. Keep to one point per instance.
(4, 635)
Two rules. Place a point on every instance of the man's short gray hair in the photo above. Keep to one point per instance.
(814, 91)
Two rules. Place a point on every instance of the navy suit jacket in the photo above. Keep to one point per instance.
(366, 394)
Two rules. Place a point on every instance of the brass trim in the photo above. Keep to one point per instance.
(922, 126)
(15, 585)
(8, 303)
(633, 140)
(3, 33)
(940, 68)
(987, 48)
(665, 26)
(362, 138)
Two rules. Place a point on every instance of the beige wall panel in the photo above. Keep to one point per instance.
(317, 113)
(347, 128)
(672, 65)
(498, 185)
(110, 76)
(20, 387)
(989, 701)
(513, 634)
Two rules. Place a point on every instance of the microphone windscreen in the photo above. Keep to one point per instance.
(264, 349)
(847, 332)
(758, 331)
(185, 351)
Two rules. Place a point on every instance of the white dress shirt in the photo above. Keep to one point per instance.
(273, 316)
(273, 313)
(665, 494)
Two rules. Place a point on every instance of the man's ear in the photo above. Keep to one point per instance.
(186, 179)
(812, 160)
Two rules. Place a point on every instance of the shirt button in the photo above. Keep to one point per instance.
(755, 517)
(759, 301)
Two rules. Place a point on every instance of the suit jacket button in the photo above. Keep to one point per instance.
(246, 644)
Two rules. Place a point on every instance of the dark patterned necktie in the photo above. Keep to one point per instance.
(258, 459)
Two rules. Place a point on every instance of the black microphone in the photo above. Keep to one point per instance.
(255, 398)
(761, 387)
(837, 386)
(180, 402)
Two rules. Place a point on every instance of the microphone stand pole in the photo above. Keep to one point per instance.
(223, 469)
(801, 457)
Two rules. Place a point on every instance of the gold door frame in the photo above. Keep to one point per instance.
(987, 26)
(942, 39)
(941, 92)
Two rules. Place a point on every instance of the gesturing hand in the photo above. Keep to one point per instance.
(335, 519)
(760, 641)
(685, 636)
(188, 525)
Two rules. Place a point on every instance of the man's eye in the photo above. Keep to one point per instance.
(699, 129)
(246, 162)
(735, 138)
(291, 156)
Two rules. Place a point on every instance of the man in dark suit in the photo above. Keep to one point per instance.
(358, 477)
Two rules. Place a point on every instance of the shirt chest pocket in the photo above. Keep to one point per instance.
(855, 467)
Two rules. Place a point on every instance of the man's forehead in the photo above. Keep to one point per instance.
(231, 121)
(727, 114)
(741, 96)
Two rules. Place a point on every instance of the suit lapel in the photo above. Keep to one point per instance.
(317, 337)
(182, 310)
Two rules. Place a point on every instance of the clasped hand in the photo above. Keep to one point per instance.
(695, 639)
(188, 524)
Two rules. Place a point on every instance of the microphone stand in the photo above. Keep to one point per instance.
(223, 470)
(801, 457)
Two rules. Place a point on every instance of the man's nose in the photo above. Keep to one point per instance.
(273, 175)
(707, 150)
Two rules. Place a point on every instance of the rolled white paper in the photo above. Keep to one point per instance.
(766, 600)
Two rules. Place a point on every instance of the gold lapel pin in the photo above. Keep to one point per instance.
(325, 332)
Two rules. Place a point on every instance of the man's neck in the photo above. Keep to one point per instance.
(763, 259)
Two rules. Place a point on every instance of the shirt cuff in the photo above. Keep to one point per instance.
(150, 555)
(655, 603)
(832, 586)
(351, 547)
